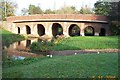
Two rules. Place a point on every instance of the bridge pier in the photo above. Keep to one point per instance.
(23, 30)
(65, 34)
(34, 29)
(82, 29)
(65, 29)
(82, 34)
(96, 34)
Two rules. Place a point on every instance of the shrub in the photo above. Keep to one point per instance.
(115, 29)
(41, 46)
(9, 38)
(59, 39)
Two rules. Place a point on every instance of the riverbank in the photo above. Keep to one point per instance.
(9, 38)
(88, 42)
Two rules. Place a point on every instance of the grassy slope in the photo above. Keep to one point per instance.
(88, 42)
(8, 37)
(81, 65)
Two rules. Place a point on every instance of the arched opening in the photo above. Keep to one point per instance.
(74, 30)
(40, 29)
(89, 31)
(18, 30)
(28, 30)
(102, 32)
(57, 29)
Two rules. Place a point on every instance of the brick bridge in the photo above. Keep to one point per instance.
(57, 24)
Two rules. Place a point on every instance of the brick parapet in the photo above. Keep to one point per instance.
(59, 16)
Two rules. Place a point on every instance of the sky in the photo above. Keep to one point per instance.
(53, 4)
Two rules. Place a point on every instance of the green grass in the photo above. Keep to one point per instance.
(8, 37)
(73, 66)
(88, 42)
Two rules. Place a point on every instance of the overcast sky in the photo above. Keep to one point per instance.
(53, 4)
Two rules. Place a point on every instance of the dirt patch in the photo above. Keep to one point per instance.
(65, 52)
(70, 52)
(22, 53)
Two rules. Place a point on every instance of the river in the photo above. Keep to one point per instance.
(21, 49)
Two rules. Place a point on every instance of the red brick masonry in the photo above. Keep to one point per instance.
(59, 16)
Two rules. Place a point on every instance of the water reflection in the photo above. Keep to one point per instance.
(28, 42)
(18, 57)
(19, 43)
(21, 49)
(22, 45)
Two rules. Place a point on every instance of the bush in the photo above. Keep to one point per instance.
(9, 37)
(59, 39)
(115, 29)
(41, 46)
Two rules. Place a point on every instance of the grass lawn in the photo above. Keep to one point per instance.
(73, 66)
(8, 37)
(88, 42)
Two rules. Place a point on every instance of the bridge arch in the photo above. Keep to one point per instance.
(40, 29)
(57, 29)
(18, 30)
(89, 31)
(74, 30)
(28, 30)
(102, 32)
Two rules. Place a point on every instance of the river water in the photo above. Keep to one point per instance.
(21, 49)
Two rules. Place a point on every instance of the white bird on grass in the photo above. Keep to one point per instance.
(98, 52)
(75, 53)
(50, 56)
